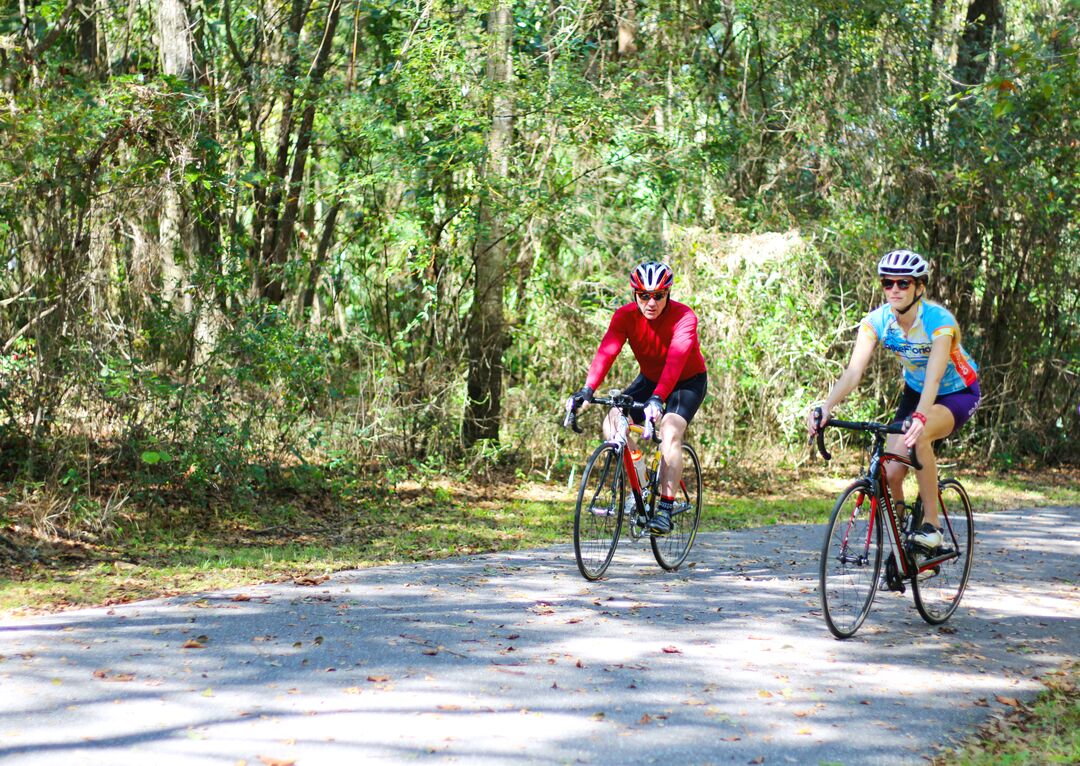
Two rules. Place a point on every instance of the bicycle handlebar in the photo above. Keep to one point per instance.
(862, 425)
(621, 401)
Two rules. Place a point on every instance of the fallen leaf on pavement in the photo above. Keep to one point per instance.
(191, 643)
(309, 581)
(672, 650)
(1010, 701)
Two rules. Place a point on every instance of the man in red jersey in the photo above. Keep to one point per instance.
(672, 382)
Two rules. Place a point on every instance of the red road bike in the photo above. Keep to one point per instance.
(851, 556)
(610, 492)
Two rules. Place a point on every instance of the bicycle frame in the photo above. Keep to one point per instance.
(621, 442)
(881, 502)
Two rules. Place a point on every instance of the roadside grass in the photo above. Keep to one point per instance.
(1045, 732)
(346, 522)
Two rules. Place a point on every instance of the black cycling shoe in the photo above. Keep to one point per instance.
(660, 524)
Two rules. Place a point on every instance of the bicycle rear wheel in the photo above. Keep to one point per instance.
(599, 513)
(850, 561)
(937, 591)
(672, 549)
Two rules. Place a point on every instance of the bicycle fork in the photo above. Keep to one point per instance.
(862, 559)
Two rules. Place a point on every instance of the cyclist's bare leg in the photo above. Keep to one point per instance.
(895, 471)
(611, 427)
(939, 424)
(672, 433)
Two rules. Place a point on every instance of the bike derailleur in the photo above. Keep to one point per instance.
(893, 580)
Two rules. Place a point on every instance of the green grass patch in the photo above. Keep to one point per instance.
(347, 522)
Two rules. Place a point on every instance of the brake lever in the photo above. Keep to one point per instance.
(570, 421)
(911, 453)
(820, 434)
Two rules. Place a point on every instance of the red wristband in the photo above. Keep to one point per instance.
(919, 416)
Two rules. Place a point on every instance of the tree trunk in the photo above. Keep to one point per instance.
(626, 15)
(174, 42)
(984, 18)
(487, 323)
(183, 236)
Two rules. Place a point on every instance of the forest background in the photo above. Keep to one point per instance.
(252, 244)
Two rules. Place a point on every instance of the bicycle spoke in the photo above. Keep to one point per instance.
(850, 562)
(598, 517)
(672, 548)
(938, 590)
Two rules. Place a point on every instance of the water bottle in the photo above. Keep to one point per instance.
(639, 466)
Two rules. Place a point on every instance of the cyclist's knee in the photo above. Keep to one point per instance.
(895, 470)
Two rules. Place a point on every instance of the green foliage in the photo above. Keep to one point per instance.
(272, 265)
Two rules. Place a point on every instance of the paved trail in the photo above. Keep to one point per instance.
(513, 658)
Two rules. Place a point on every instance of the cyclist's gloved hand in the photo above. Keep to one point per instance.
(813, 423)
(654, 408)
(578, 398)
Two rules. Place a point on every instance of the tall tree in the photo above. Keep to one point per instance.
(487, 322)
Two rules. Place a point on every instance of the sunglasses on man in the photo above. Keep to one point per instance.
(903, 284)
(646, 297)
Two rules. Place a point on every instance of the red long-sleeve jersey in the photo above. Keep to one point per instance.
(666, 348)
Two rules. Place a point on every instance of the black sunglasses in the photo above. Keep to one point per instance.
(903, 284)
(659, 295)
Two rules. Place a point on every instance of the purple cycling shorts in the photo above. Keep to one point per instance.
(962, 404)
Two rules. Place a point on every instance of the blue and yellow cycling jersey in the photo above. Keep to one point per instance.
(913, 348)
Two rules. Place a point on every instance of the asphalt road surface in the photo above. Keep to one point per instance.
(514, 658)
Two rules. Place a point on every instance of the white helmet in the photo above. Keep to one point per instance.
(903, 263)
(652, 275)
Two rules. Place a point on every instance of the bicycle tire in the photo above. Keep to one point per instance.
(672, 548)
(599, 512)
(938, 595)
(848, 577)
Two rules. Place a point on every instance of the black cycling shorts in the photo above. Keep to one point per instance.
(684, 400)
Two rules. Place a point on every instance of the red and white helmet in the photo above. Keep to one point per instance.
(903, 263)
(652, 276)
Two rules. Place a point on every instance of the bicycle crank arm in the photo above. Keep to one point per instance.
(940, 559)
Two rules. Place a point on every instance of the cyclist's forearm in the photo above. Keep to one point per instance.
(935, 371)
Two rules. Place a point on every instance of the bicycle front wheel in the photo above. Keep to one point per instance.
(850, 561)
(938, 590)
(599, 513)
(672, 549)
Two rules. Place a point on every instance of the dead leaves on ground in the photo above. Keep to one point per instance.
(108, 675)
(310, 580)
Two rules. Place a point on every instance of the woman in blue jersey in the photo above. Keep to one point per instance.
(941, 387)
